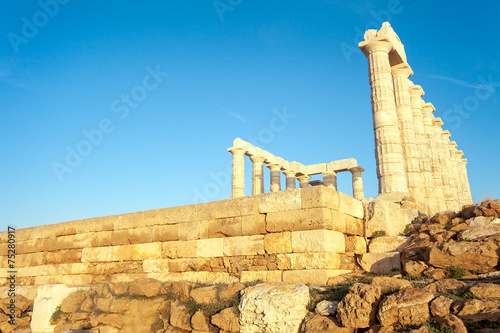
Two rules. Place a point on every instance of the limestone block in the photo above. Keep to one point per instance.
(243, 245)
(381, 263)
(236, 207)
(316, 277)
(128, 221)
(280, 201)
(273, 307)
(212, 247)
(155, 266)
(110, 268)
(78, 241)
(105, 223)
(225, 227)
(117, 278)
(351, 206)
(318, 241)
(180, 249)
(30, 259)
(358, 309)
(63, 256)
(302, 219)
(22, 235)
(100, 238)
(195, 277)
(46, 280)
(227, 320)
(279, 242)
(339, 220)
(267, 276)
(317, 260)
(192, 230)
(189, 264)
(354, 226)
(65, 229)
(123, 252)
(388, 244)
(355, 244)
(165, 233)
(387, 216)
(253, 224)
(320, 197)
(77, 280)
(48, 298)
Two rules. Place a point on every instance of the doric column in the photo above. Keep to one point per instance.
(416, 93)
(275, 176)
(330, 179)
(449, 186)
(436, 125)
(463, 172)
(452, 147)
(357, 182)
(238, 182)
(388, 150)
(400, 74)
(439, 202)
(304, 180)
(257, 174)
(290, 179)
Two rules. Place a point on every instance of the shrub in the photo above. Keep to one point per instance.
(456, 272)
(57, 314)
(435, 327)
(378, 233)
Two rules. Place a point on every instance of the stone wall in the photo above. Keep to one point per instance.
(305, 235)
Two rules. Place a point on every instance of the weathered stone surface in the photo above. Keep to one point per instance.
(469, 255)
(318, 241)
(321, 324)
(227, 320)
(267, 276)
(199, 321)
(273, 307)
(318, 260)
(280, 201)
(435, 273)
(453, 322)
(326, 308)
(390, 283)
(408, 306)
(311, 276)
(72, 302)
(212, 247)
(480, 221)
(355, 244)
(244, 245)
(486, 291)
(414, 268)
(443, 217)
(388, 244)
(179, 316)
(302, 219)
(445, 286)
(358, 308)
(206, 295)
(278, 242)
(381, 263)
(475, 310)
(481, 231)
(382, 215)
(440, 306)
(231, 290)
(145, 287)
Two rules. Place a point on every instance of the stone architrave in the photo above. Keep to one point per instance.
(238, 180)
(257, 174)
(357, 182)
(275, 176)
(440, 147)
(388, 150)
(400, 74)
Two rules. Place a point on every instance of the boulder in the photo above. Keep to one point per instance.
(199, 321)
(480, 256)
(453, 322)
(72, 302)
(408, 306)
(475, 310)
(440, 306)
(227, 320)
(480, 221)
(321, 324)
(230, 290)
(443, 217)
(417, 249)
(179, 316)
(481, 231)
(381, 263)
(388, 244)
(326, 308)
(486, 291)
(206, 295)
(390, 283)
(358, 309)
(414, 268)
(145, 287)
(435, 273)
(273, 307)
(445, 286)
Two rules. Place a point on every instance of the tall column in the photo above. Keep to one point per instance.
(290, 179)
(452, 147)
(357, 182)
(330, 179)
(238, 181)
(400, 74)
(463, 172)
(416, 93)
(436, 125)
(275, 176)
(304, 180)
(257, 174)
(427, 110)
(388, 150)
(449, 187)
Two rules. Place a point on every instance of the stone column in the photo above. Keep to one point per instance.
(442, 173)
(304, 180)
(439, 202)
(290, 179)
(388, 150)
(416, 93)
(449, 188)
(468, 195)
(357, 182)
(238, 181)
(257, 174)
(400, 74)
(330, 179)
(275, 176)
(452, 147)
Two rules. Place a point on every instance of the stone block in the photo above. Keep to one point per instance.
(63, 256)
(316, 277)
(243, 245)
(165, 233)
(24, 234)
(351, 206)
(338, 221)
(320, 197)
(104, 223)
(253, 224)
(301, 219)
(212, 247)
(235, 207)
(77, 280)
(180, 249)
(65, 229)
(318, 241)
(280, 201)
(155, 266)
(382, 215)
(100, 238)
(78, 241)
(267, 276)
(123, 252)
(388, 244)
(317, 260)
(30, 259)
(381, 263)
(354, 226)
(355, 244)
(192, 230)
(128, 221)
(196, 277)
(279, 242)
(225, 227)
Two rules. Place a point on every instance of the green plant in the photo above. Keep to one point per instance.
(461, 239)
(378, 233)
(409, 230)
(57, 314)
(86, 327)
(310, 306)
(414, 278)
(475, 272)
(456, 272)
(191, 306)
(474, 327)
(406, 328)
(390, 291)
(435, 327)
(460, 294)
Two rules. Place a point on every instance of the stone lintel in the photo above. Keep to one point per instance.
(341, 165)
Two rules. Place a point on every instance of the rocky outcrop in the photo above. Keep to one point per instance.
(358, 309)
(408, 306)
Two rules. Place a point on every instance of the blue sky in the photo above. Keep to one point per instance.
(152, 93)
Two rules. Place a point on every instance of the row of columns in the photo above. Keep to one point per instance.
(238, 176)
(414, 154)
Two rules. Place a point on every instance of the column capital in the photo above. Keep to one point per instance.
(428, 107)
(402, 69)
(453, 144)
(289, 173)
(257, 158)
(437, 122)
(459, 154)
(464, 161)
(273, 166)
(377, 44)
(446, 134)
(356, 170)
(417, 91)
(237, 151)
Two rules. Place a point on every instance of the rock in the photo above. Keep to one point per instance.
(468, 211)
(443, 217)
(206, 295)
(383, 215)
(381, 263)
(481, 231)
(21, 305)
(326, 308)
(72, 302)
(440, 307)
(145, 287)
(227, 320)
(199, 321)
(480, 221)
(231, 290)
(388, 244)
(179, 316)
(358, 309)
(495, 204)
(390, 283)
(490, 275)
(414, 268)
(469, 255)
(355, 244)
(460, 227)
(119, 288)
(435, 273)
(486, 291)
(273, 307)
(417, 248)
(453, 322)
(408, 306)
(475, 310)
(445, 286)
(321, 324)
(334, 280)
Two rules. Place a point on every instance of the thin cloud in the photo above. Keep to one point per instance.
(234, 114)
(464, 83)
